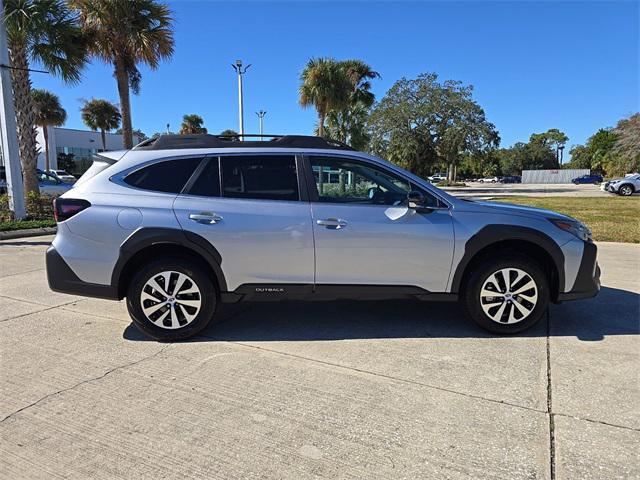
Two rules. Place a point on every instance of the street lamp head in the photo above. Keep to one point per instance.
(239, 63)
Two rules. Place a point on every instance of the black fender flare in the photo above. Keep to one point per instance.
(146, 237)
(491, 234)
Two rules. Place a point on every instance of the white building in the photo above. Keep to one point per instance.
(82, 144)
(553, 176)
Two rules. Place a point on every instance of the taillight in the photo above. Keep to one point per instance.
(65, 208)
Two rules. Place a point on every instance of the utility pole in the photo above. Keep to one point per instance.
(8, 135)
(261, 115)
(240, 71)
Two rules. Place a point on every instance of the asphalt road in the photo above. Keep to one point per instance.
(376, 390)
(489, 190)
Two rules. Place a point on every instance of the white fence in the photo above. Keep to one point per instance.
(553, 176)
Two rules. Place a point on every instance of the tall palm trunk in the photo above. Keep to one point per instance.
(104, 140)
(45, 134)
(322, 117)
(25, 116)
(125, 106)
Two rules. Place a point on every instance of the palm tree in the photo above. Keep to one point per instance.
(360, 75)
(49, 112)
(100, 115)
(125, 33)
(326, 86)
(45, 32)
(348, 124)
(192, 124)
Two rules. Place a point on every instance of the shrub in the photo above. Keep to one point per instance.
(39, 207)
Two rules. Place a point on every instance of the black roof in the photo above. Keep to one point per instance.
(172, 142)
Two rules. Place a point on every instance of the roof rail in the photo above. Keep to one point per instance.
(175, 142)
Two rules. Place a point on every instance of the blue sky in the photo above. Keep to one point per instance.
(534, 65)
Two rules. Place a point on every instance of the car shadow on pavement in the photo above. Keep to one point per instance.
(612, 312)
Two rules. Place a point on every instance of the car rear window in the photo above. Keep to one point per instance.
(168, 176)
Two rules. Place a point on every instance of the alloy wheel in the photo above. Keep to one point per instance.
(509, 295)
(170, 300)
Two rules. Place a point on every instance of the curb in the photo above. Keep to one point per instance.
(28, 232)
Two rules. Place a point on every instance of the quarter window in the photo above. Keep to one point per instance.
(345, 181)
(263, 177)
(169, 176)
(208, 182)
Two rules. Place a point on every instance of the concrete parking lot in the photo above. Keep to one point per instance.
(371, 390)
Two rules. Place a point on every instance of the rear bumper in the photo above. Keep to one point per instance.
(62, 279)
(587, 282)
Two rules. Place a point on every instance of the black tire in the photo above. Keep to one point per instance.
(480, 273)
(208, 296)
(625, 190)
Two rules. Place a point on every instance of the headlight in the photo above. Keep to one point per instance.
(574, 227)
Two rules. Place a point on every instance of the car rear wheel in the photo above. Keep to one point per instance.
(506, 296)
(625, 190)
(171, 299)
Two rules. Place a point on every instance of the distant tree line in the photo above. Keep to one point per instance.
(613, 151)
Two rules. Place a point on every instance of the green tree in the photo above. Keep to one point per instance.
(596, 153)
(100, 115)
(324, 86)
(192, 124)
(48, 112)
(627, 146)
(553, 139)
(349, 123)
(45, 32)
(422, 123)
(125, 33)
(229, 131)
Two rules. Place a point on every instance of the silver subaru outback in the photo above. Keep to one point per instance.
(181, 223)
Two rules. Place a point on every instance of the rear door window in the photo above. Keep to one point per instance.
(168, 176)
(261, 177)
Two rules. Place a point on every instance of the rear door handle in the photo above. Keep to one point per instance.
(206, 218)
(333, 223)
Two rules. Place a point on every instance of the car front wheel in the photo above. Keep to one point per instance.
(506, 296)
(171, 299)
(625, 190)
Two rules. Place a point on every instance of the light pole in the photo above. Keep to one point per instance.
(561, 150)
(8, 135)
(240, 71)
(261, 115)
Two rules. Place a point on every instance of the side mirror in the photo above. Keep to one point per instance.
(416, 199)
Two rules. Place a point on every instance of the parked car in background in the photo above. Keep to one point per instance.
(437, 177)
(587, 179)
(488, 180)
(510, 179)
(62, 175)
(51, 185)
(623, 186)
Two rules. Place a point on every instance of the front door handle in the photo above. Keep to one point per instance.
(206, 218)
(333, 223)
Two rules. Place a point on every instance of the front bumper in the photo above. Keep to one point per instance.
(587, 282)
(62, 279)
